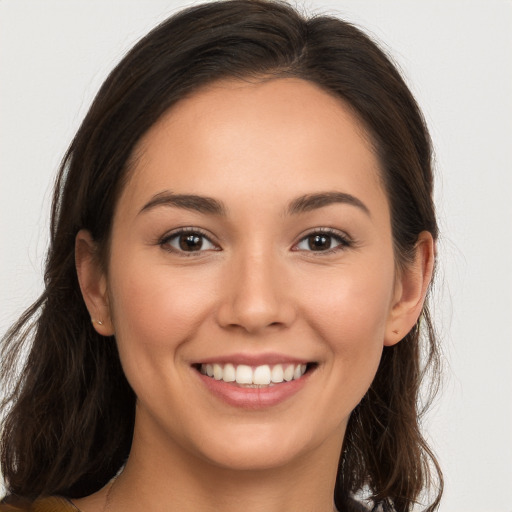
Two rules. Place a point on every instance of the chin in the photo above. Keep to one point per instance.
(266, 446)
(251, 455)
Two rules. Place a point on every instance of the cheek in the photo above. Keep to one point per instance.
(349, 312)
(351, 308)
(352, 333)
(155, 308)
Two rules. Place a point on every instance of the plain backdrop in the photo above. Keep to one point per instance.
(456, 57)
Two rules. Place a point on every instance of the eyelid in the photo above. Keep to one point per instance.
(163, 240)
(346, 240)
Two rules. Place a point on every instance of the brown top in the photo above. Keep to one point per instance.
(51, 504)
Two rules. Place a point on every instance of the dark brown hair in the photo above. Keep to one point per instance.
(70, 411)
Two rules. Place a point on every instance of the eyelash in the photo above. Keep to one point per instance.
(343, 241)
(164, 241)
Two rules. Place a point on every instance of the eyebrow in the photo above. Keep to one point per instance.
(201, 204)
(209, 205)
(311, 202)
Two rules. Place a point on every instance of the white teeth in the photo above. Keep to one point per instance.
(277, 373)
(229, 374)
(288, 373)
(264, 375)
(243, 374)
(217, 372)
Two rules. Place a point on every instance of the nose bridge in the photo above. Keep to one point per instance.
(255, 295)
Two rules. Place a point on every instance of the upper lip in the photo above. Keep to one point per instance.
(254, 359)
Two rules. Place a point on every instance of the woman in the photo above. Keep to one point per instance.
(242, 243)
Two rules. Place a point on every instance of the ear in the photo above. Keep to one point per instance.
(410, 290)
(93, 282)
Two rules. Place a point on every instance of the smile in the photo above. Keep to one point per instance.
(248, 376)
(254, 382)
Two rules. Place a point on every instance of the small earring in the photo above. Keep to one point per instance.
(99, 322)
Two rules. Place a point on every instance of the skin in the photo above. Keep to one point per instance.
(255, 287)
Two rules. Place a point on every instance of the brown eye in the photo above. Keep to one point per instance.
(188, 241)
(319, 242)
(322, 242)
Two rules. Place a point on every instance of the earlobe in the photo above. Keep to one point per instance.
(410, 290)
(93, 283)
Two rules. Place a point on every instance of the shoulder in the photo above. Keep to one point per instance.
(50, 504)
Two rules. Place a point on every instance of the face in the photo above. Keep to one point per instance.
(251, 277)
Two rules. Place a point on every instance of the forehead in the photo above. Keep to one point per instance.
(288, 134)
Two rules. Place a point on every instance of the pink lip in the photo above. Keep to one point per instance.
(253, 398)
(253, 359)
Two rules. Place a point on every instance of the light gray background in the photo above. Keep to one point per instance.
(456, 56)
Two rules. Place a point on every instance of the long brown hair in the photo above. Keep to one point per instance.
(70, 411)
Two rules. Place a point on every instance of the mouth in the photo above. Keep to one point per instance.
(262, 376)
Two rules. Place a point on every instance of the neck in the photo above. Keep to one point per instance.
(168, 478)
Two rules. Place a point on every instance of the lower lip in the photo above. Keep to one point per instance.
(253, 398)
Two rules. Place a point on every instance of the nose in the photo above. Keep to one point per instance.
(256, 295)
